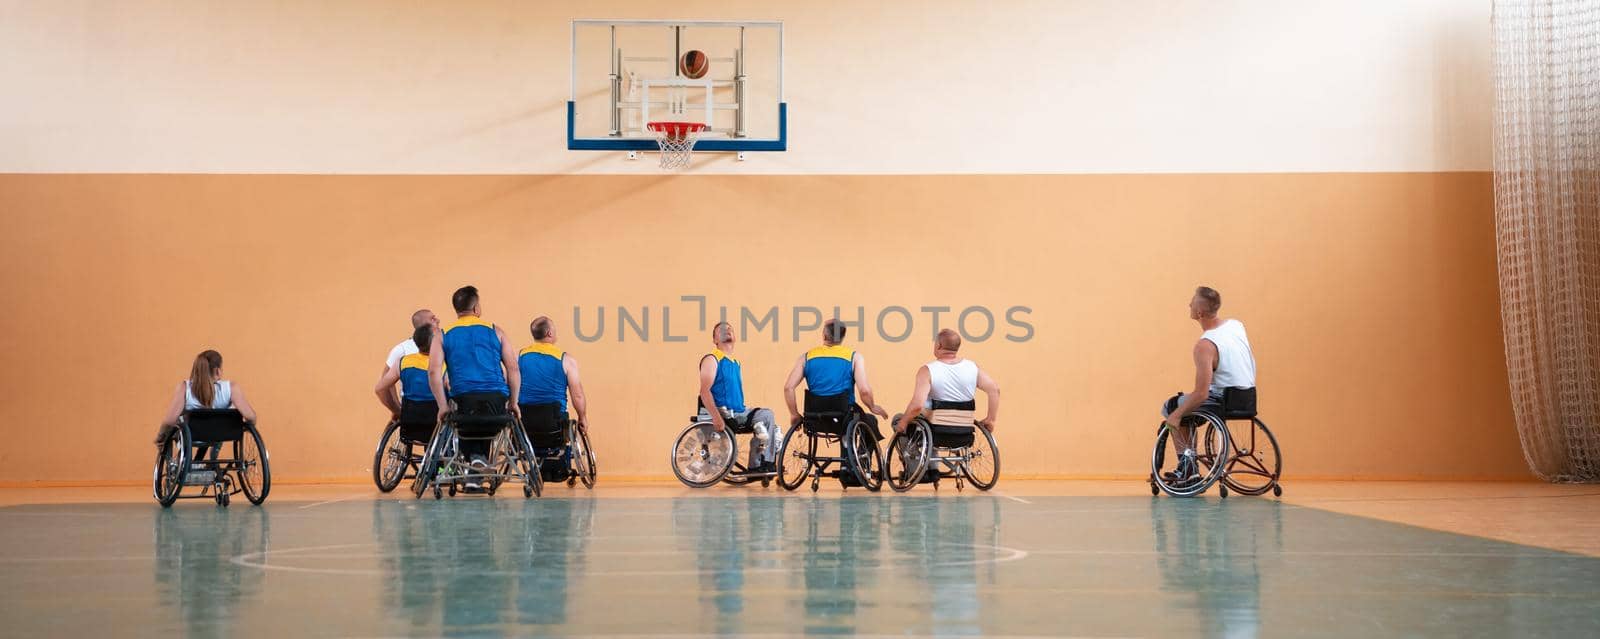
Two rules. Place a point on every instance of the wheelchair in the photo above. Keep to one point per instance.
(830, 420)
(560, 445)
(1248, 464)
(189, 455)
(511, 458)
(400, 448)
(702, 457)
(946, 444)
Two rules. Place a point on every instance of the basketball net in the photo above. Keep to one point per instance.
(676, 140)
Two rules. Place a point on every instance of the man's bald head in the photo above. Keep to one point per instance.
(421, 318)
(948, 340)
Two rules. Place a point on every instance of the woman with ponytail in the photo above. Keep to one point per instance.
(205, 388)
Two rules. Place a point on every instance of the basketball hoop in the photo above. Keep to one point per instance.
(676, 140)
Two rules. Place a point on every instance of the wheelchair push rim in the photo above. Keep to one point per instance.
(1210, 455)
(392, 459)
(794, 457)
(255, 475)
(863, 457)
(1253, 468)
(982, 466)
(172, 463)
(701, 456)
(583, 457)
(907, 457)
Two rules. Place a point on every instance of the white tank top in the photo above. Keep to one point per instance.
(221, 396)
(1236, 364)
(956, 382)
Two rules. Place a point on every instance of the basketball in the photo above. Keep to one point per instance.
(694, 64)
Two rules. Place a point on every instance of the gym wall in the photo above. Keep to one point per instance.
(286, 181)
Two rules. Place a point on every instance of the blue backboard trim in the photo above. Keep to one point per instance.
(721, 144)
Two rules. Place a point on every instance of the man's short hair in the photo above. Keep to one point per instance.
(833, 330)
(465, 298)
(419, 319)
(423, 336)
(1213, 299)
(540, 327)
(948, 340)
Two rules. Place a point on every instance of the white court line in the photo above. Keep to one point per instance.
(332, 501)
(1016, 499)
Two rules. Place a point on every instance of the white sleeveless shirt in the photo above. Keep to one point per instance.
(956, 382)
(221, 395)
(1236, 364)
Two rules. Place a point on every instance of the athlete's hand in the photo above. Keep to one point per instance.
(794, 420)
(1174, 420)
(988, 424)
(514, 409)
(879, 411)
(899, 425)
(443, 413)
(716, 422)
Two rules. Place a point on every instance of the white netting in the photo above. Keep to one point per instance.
(676, 140)
(1547, 219)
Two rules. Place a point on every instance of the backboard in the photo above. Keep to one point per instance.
(626, 74)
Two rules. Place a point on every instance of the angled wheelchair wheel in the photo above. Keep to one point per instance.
(907, 457)
(1255, 465)
(862, 457)
(582, 456)
(526, 462)
(391, 460)
(1178, 479)
(255, 473)
(794, 457)
(172, 463)
(982, 466)
(428, 470)
(701, 456)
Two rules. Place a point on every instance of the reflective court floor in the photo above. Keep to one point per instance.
(752, 562)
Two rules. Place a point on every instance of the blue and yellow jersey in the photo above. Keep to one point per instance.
(472, 358)
(727, 389)
(830, 371)
(544, 380)
(414, 378)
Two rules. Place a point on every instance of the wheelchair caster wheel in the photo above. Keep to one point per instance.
(1224, 491)
(814, 485)
(527, 490)
(437, 494)
(1154, 490)
(1277, 491)
(765, 482)
(452, 489)
(489, 490)
(571, 481)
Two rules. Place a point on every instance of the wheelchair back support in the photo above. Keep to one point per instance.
(1238, 403)
(828, 414)
(212, 425)
(546, 425)
(952, 423)
(480, 415)
(417, 420)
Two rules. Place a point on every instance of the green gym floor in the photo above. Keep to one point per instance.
(730, 561)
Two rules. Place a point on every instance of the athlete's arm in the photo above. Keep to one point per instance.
(174, 409)
(508, 358)
(436, 372)
(580, 404)
(863, 388)
(789, 387)
(919, 396)
(1205, 359)
(241, 404)
(990, 388)
(385, 391)
(708, 374)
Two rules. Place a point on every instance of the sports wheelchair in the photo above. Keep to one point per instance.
(1248, 465)
(827, 420)
(943, 445)
(511, 458)
(189, 456)
(560, 445)
(701, 456)
(400, 448)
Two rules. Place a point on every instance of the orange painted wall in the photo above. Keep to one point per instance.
(1371, 299)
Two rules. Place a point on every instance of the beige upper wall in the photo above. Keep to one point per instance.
(368, 86)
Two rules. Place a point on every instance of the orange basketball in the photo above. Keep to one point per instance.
(694, 64)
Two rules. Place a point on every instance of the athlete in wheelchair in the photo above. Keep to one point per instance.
(707, 451)
(480, 443)
(549, 376)
(1225, 379)
(413, 416)
(833, 374)
(209, 440)
(938, 436)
